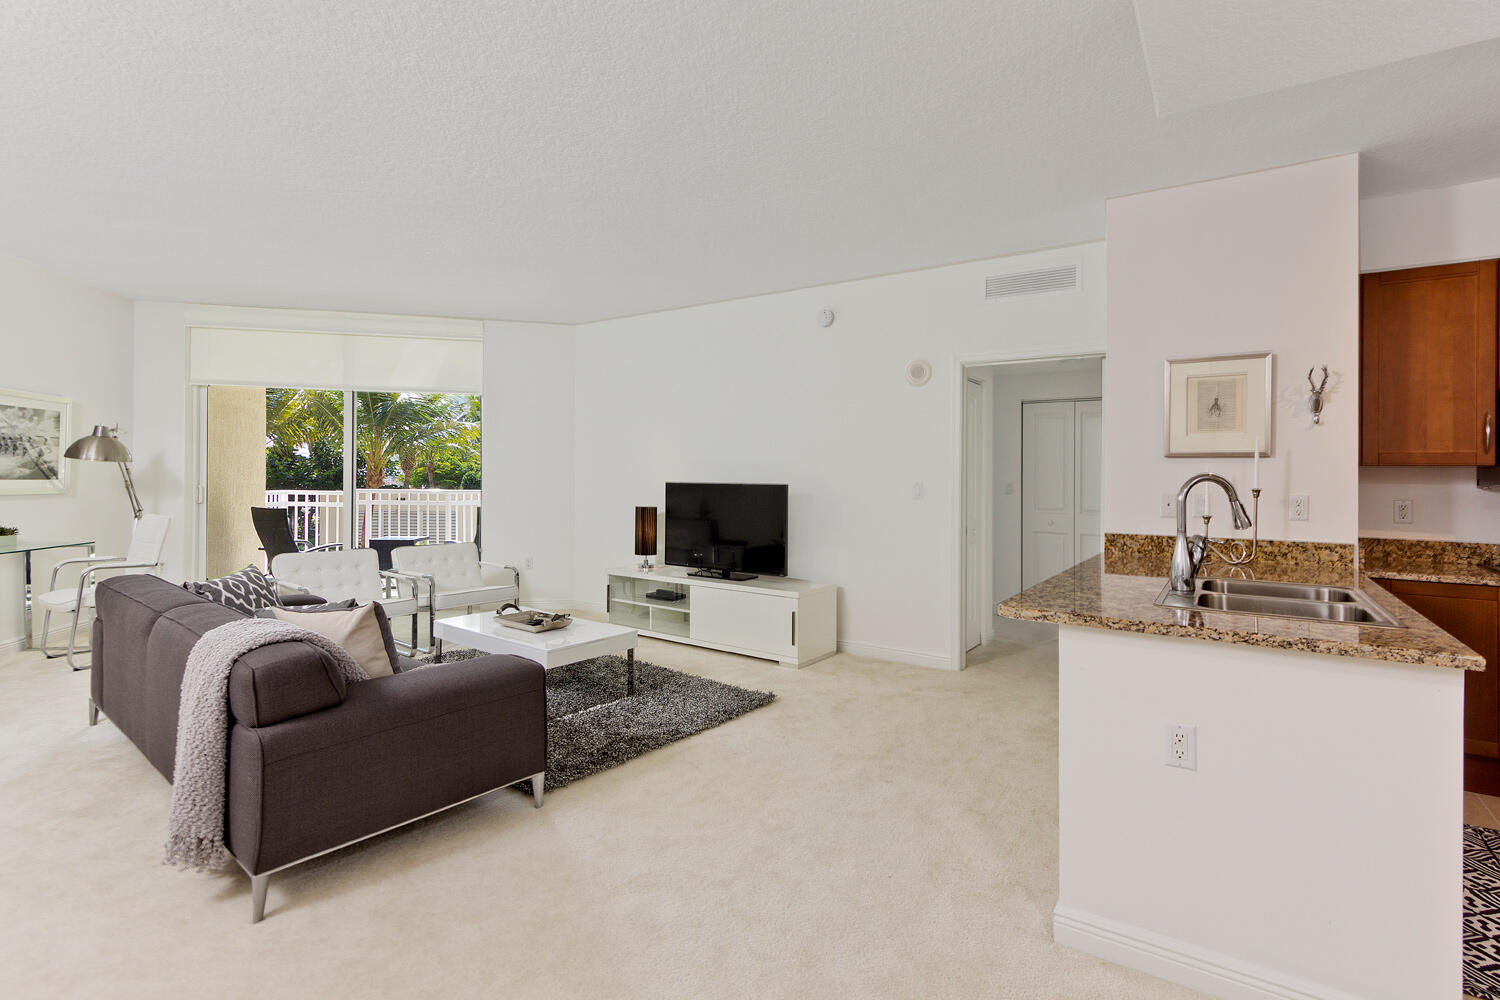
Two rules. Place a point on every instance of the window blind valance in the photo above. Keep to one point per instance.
(222, 356)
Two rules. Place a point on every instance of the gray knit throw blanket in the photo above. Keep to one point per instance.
(195, 826)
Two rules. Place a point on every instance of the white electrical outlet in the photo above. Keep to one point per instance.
(1182, 746)
(1169, 505)
(1297, 509)
(1401, 511)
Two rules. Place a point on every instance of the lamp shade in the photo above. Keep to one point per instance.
(645, 531)
(100, 446)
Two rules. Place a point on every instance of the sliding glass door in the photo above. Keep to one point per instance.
(353, 468)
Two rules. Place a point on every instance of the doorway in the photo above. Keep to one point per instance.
(1032, 483)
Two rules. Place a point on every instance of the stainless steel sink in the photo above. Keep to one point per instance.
(1304, 601)
(1265, 588)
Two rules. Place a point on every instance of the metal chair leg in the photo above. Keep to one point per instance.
(538, 786)
(258, 884)
(73, 643)
(93, 713)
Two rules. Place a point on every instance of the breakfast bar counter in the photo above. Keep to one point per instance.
(1087, 595)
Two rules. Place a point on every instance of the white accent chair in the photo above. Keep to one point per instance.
(453, 576)
(356, 573)
(147, 540)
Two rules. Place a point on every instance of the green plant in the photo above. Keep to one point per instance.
(9, 531)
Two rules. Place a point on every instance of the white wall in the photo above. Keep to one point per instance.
(755, 391)
(1438, 226)
(159, 437)
(1013, 385)
(1413, 230)
(1255, 869)
(61, 338)
(1262, 261)
(528, 495)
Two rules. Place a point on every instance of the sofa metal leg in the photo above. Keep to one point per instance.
(538, 785)
(258, 885)
(93, 713)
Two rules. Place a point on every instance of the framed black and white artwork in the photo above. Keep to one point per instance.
(1219, 407)
(33, 434)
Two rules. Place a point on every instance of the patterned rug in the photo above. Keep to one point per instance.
(592, 726)
(1482, 912)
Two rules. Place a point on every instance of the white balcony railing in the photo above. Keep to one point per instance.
(317, 516)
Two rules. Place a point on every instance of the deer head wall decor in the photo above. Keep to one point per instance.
(1315, 402)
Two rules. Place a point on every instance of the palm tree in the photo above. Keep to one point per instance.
(295, 418)
(390, 424)
(457, 432)
(391, 428)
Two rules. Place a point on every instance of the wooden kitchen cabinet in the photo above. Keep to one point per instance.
(1427, 366)
(1472, 616)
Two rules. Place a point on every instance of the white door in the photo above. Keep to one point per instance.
(1088, 451)
(1047, 490)
(973, 510)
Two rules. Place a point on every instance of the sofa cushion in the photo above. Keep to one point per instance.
(387, 638)
(246, 591)
(356, 630)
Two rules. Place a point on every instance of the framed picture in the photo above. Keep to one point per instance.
(33, 434)
(1219, 407)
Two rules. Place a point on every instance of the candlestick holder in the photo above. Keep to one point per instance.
(1238, 553)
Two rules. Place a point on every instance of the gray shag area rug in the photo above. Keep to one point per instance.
(592, 726)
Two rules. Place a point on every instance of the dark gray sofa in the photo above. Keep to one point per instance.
(315, 764)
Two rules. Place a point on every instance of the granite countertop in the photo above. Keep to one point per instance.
(1429, 561)
(1125, 601)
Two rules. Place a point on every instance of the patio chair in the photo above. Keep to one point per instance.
(274, 526)
(349, 573)
(147, 539)
(453, 576)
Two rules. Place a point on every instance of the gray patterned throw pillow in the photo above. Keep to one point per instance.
(246, 591)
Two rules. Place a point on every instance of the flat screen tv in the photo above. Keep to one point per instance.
(732, 530)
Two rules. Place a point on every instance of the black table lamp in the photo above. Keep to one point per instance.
(645, 535)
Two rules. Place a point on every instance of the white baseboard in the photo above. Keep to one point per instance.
(57, 638)
(1176, 961)
(896, 655)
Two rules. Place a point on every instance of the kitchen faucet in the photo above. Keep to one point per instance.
(1187, 553)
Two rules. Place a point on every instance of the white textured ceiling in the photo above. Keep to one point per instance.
(577, 159)
(1203, 52)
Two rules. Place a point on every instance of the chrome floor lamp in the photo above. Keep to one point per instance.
(104, 446)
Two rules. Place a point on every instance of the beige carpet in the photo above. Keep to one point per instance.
(877, 831)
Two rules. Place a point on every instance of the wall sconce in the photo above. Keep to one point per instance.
(1315, 401)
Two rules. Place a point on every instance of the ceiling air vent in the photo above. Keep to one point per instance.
(1048, 279)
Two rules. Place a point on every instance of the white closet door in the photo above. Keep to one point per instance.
(1048, 468)
(1089, 453)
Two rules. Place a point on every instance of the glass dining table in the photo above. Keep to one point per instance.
(24, 546)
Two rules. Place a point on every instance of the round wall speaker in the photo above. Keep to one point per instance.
(918, 372)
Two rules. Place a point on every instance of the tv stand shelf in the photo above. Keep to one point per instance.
(794, 622)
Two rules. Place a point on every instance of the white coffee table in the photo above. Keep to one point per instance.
(581, 640)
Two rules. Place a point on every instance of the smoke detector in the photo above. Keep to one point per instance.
(825, 317)
(918, 372)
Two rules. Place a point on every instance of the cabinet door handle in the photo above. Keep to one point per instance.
(794, 628)
(1489, 430)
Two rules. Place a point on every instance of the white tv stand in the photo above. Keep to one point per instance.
(793, 622)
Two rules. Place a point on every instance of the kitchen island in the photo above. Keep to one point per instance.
(1313, 849)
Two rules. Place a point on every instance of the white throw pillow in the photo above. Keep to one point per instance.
(356, 630)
